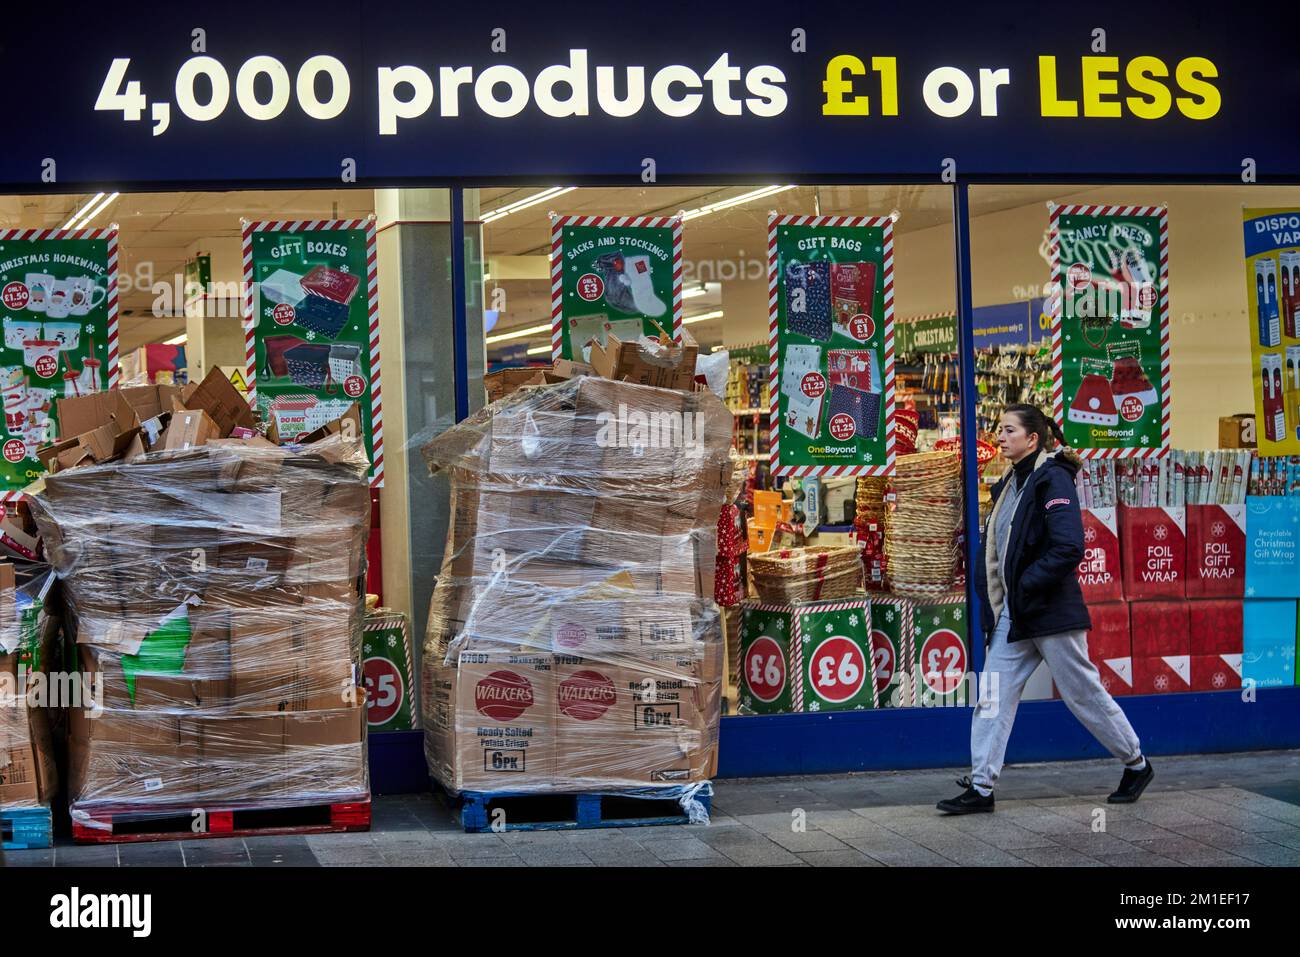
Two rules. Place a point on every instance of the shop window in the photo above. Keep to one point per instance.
(874, 615)
(1170, 332)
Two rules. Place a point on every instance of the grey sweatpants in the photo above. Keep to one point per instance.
(1077, 679)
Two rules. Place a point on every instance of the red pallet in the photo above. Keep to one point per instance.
(136, 825)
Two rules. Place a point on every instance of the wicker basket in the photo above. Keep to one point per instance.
(817, 573)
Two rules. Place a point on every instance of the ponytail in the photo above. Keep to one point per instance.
(1035, 422)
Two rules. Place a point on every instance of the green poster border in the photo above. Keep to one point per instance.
(1054, 303)
(372, 424)
(109, 235)
(775, 284)
(618, 222)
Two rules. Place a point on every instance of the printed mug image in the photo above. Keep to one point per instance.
(39, 285)
(85, 295)
(60, 301)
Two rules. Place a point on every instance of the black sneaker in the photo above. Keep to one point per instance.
(1132, 784)
(969, 801)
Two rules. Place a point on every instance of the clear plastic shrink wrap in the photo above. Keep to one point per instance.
(214, 596)
(573, 643)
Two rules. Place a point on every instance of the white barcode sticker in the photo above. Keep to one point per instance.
(153, 784)
(257, 564)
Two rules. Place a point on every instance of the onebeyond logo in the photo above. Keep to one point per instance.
(76, 910)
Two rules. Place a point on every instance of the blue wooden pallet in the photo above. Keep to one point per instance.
(26, 828)
(563, 811)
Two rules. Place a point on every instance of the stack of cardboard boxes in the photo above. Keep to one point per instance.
(28, 776)
(212, 582)
(573, 643)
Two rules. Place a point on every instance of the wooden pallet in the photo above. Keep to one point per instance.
(26, 828)
(482, 811)
(170, 823)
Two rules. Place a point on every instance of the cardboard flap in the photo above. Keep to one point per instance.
(217, 396)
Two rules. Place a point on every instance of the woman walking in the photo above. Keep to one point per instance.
(1032, 610)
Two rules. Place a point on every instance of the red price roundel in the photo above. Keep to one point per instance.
(1079, 276)
(765, 669)
(15, 451)
(943, 661)
(842, 426)
(838, 670)
(1147, 297)
(590, 287)
(813, 384)
(46, 366)
(15, 295)
(353, 386)
(882, 659)
(861, 327)
(283, 314)
(1131, 408)
(384, 691)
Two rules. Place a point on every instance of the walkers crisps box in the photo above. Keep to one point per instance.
(1216, 551)
(491, 722)
(1099, 573)
(633, 721)
(1153, 543)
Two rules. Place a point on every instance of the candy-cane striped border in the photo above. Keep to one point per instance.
(557, 265)
(108, 233)
(372, 309)
(1054, 310)
(774, 352)
(795, 663)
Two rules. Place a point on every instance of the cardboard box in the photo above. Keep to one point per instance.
(1237, 431)
(189, 430)
(264, 638)
(664, 367)
(1100, 578)
(503, 382)
(494, 722)
(600, 628)
(1216, 672)
(1215, 627)
(1153, 543)
(631, 721)
(217, 396)
(1110, 646)
(1160, 628)
(304, 685)
(1162, 675)
(1269, 642)
(1216, 551)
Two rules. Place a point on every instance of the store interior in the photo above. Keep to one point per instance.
(725, 292)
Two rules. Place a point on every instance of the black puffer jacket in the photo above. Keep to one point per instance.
(1042, 557)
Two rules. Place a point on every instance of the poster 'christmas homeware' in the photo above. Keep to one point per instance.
(614, 274)
(1110, 328)
(58, 306)
(311, 327)
(831, 344)
(1272, 238)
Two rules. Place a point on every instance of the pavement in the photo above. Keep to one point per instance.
(1215, 810)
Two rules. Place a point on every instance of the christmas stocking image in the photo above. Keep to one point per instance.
(1127, 377)
(1094, 403)
(611, 268)
(639, 277)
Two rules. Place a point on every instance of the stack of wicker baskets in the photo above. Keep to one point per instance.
(922, 524)
(871, 499)
(817, 573)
